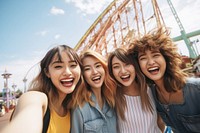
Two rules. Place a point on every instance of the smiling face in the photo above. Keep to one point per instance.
(123, 73)
(152, 64)
(93, 72)
(64, 73)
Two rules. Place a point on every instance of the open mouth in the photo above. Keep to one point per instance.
(125, 77)
(153, 70)
(96, 79)
(67, 82)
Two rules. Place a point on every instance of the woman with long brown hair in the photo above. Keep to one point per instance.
(51, 95)
(134, 103)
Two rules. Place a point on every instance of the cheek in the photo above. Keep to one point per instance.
(54, 74)
(86, 74)
(78, 73)
(115, 72)
(103, 72)
(143, 68)
(142, 65)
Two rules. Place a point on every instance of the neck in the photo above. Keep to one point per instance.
(97, 93)
(160, 85)
(131, 90)
(58, 107)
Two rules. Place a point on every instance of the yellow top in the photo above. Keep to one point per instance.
(59, 124)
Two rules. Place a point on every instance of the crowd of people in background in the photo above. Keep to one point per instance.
(139, 88)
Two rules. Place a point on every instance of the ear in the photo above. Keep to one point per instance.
(46, 72)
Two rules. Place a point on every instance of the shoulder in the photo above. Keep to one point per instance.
(193, 82)
(82, 109)
(33, 98)
(192, 86)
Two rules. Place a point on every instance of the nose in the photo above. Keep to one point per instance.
(94, 71)
(67, 71)
(151, 61)
(123, 70)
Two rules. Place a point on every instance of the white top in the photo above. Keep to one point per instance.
(138, 120)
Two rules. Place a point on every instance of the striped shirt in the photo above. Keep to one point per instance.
(138, 120)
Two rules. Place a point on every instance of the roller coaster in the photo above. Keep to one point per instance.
(124, 19)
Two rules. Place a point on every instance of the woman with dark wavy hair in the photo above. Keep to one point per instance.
(176, 95)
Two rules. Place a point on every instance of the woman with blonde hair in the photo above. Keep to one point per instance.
(176, 95)
(96, 102)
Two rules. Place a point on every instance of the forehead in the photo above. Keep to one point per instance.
(149, 51)
(89, 60)
(116, 60)
(63, 56)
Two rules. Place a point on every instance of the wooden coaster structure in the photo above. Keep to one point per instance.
(119, 22)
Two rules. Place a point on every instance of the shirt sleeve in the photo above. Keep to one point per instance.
(77, 122)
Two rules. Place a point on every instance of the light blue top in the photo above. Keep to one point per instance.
(185, 117)
(91, 119)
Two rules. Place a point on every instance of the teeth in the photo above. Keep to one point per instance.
(95, 78)
(125, 76)
(154, 68)
(66, 80)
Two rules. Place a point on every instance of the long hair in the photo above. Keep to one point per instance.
(44, 84)
(108, 88)
(121, 105)
(159, 39)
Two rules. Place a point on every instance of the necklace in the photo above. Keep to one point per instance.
(166, 101)
(166, 105)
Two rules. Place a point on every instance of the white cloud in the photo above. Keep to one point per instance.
(42, 33)
(57, 36)
(89, 6)
(57, 11)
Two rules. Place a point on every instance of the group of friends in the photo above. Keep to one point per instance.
(137, 89)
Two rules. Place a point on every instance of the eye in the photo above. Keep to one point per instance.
(127, 64)
(98, 65)
(58, 66)
(156, 55)
(142, 58)
(115, 67)
(73, 65)
(86, 68)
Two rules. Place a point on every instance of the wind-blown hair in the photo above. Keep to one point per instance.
(121, 105)
(108, 88)
(44, 84)
(159, 39)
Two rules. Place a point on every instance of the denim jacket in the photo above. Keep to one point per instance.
(91, 119)
(185, 117)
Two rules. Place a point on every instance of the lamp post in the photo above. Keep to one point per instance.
(25, 80)
(14, 86)
(7, 75)
(25, 77)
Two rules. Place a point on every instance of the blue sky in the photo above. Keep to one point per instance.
(29, 28)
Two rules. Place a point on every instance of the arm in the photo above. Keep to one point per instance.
(160, 123)
(77, 121)
(28, 114)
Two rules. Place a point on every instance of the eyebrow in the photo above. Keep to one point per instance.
(56, 62)
(141, 55)
(71, 61)
(115, 64)
(94, 64)
(155, 51)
